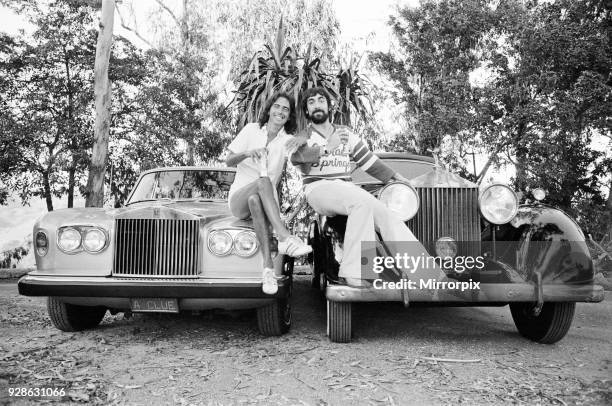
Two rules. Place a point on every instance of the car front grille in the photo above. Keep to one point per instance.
(448, 212)
(156, 247)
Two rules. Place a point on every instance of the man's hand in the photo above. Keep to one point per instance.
(333, 142)
(256, 154)
(294, 143)
(399, 178)
(343, 134)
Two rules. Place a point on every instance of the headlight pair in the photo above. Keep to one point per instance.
(73, 239)
(498, 203)
(241, 242)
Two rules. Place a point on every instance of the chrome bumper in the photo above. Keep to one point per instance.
(65, 286)
(497, 293)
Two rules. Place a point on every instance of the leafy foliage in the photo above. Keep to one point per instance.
(549, 97)
(46, 90)
(439, 45)
(526, 82)
(280, 68)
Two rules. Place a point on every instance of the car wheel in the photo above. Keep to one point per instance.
(275, 318)
(315, 257)
(69, 317)
(339, 321)
(322, 283)
(549, 326)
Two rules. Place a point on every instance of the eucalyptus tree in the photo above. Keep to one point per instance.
(46, 98)
(46, 91)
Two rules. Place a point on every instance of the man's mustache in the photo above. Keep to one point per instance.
(318, 111)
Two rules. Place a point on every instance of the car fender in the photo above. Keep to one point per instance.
(543, 239)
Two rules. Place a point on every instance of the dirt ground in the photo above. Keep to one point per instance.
(221, 359)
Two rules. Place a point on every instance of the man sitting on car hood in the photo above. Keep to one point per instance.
(324, 163)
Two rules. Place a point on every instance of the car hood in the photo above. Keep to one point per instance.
(442, 178)
(206, 211)
(437, 178)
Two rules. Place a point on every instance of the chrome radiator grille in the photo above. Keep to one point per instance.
(448, 212)
(156, 247)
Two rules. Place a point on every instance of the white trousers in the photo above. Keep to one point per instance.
(366, 215)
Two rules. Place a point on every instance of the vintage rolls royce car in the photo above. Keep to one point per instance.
(173, 246)
(532, 257)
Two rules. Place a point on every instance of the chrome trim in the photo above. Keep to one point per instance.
(513, 193)
(249, 254)
(136, 281)
(487, 293)
(210, 235)
(233, 231)
(156, 248)
(448, 212)
(380, 192)
(80, 228)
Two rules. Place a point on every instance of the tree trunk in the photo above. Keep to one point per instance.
(47, 189)
(99, 157)
(609, 208)
(71, 177)
(73, 143)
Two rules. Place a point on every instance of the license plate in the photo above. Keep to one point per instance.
(155, 305)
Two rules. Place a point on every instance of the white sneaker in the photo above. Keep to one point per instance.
(269, 285)
(293, 247)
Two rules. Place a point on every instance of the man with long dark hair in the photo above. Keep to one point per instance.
(324, 162)
(259, 152)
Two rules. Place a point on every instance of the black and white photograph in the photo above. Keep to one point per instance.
(306, 202)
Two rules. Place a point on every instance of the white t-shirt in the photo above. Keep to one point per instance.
(253, 137)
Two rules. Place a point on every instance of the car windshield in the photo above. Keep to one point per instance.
(183, 184)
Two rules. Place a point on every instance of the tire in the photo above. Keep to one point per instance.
(550, 326)
(315, 257)
(69, 317)
(339, 321)
(274, 319)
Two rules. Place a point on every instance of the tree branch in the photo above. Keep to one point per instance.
(162, 5)
(135, 32)
(485, 168)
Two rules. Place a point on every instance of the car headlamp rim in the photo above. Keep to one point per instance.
(216, 233)
(86, 230)
(409, 186)
(61, 232)
(248, 234)
(514, 209)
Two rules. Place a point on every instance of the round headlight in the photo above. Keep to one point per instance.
(245, 243)
(69, 239)
(220, 242)
(94, 240)
(42, 243)
(401, 199)
(498, 204)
